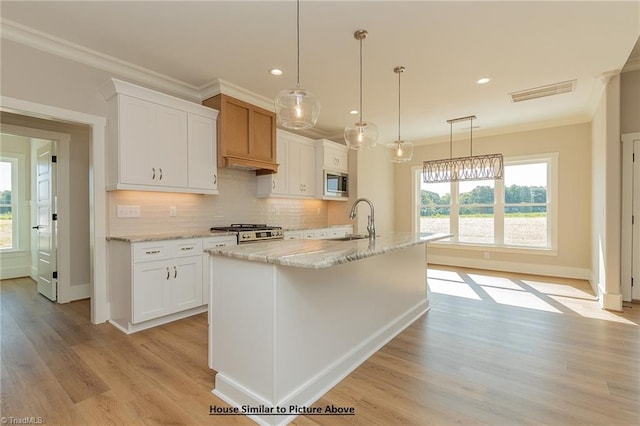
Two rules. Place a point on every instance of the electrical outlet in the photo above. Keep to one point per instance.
(128, 211)
(173, 211)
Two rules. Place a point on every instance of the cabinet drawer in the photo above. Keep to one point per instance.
(190, 247)
(214, 242)
(154, 250)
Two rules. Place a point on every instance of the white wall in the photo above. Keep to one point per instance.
(630, 102)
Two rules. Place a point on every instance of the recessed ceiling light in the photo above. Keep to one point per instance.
(353, 112)
(275, 71)
(483, 80)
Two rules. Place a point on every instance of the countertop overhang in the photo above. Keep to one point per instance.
(317, 254)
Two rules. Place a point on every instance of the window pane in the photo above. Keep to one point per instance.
(476, 227)
(525, 226)
(525, 183)
(476, 192)
(434, 219)
(6, 219)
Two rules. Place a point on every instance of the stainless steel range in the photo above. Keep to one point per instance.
(248, 233)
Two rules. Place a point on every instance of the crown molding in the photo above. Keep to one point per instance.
(56, 46)
(217, 86)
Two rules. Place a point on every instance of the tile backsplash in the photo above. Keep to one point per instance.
(236, 203)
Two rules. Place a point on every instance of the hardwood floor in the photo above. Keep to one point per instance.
(494, 349)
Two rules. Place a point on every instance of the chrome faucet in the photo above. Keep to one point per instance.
(371, 222)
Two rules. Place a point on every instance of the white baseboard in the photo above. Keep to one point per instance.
(74, 292)
(610, 301)
(124, 326)
(232, 392)
(523, 268)
(14, 272)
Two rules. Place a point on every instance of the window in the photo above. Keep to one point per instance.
(8, 187)
(517, 211)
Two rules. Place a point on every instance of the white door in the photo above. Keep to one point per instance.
(635, 251)
(46, 226)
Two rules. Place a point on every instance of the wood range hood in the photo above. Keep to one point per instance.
(246, 135)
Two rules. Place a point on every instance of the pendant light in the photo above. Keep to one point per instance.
(459, 169)
(362, 134)
(399, 151)
(297, 108)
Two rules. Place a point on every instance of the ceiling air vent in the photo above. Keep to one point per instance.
(542, 91)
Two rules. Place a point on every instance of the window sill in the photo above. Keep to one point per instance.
(9, 253)
(539, 251)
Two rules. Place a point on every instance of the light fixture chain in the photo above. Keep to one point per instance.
(471, 138)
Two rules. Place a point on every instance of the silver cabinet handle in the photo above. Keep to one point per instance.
(273, 184)
(187, 248)
(168, 273)
(152, 252)
(175, 272)
(160, 174)
(215, 179)
(154, 173)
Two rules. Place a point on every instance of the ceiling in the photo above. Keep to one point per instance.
(445, 46)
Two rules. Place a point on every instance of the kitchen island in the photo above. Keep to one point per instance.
(290, 319)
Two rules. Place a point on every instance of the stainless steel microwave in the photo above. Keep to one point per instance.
(336, 184)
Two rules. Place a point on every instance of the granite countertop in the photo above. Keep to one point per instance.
(168, 236)
(316, 254)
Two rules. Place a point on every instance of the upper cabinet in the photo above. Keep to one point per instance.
(332, 156)
(246, 135)
(156, 142)
(296, 176)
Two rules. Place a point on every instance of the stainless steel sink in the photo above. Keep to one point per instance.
(349, 238)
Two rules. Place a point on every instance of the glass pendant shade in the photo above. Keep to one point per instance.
(361, 135)
(399, 151)
(297, 109)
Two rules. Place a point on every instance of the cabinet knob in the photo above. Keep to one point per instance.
(273, 184)
(160, 174)
(215, 179)
(175, 272)
(154, 173)
(168, 273)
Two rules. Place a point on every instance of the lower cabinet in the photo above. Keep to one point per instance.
(155, 282)
(167, 286)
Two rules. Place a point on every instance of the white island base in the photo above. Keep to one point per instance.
(283, 336)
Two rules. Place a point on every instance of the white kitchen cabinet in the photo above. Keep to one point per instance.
(156, 142)
(202, 155)
(319, 233)
(296, 177)
(332, 156)
(152, 283)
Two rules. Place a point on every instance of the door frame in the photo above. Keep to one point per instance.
(97, 190)
(626, 238)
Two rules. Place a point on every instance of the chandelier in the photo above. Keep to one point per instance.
(478, 167)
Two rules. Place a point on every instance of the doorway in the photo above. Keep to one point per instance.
(58, 197)
(630, 235)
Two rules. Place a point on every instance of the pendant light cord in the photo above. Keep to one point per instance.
(298, 43)
(471, 138)
(360, 80)
(399, 140)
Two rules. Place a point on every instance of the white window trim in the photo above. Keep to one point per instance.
(552, 209)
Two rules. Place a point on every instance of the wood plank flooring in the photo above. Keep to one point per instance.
(495, 349)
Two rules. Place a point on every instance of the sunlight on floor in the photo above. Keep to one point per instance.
(542, 294)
